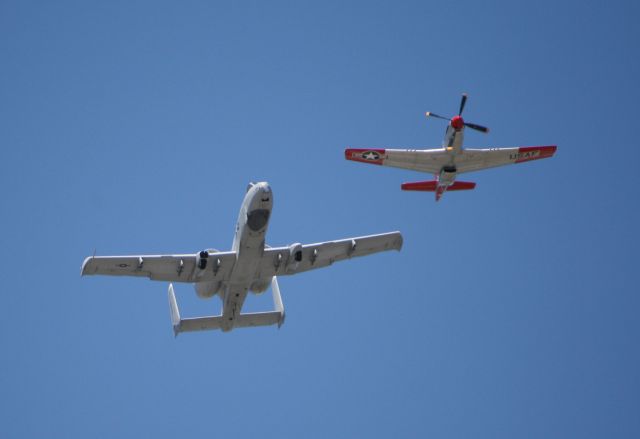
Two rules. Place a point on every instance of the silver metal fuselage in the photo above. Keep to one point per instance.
(452, 143)
(453, 139)
(248, 243)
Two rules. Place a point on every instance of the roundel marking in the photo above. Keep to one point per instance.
(371, 155)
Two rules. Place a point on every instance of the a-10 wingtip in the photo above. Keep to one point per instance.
(399, 241)
(83, 269)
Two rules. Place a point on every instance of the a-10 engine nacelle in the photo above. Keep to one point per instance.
(260, 286)
(201, 259)
(206, 290)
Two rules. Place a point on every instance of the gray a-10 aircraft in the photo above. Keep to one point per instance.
(249, 266)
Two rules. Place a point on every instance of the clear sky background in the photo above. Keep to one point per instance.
(134, 127)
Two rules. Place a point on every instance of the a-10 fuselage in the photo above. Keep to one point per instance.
(248, 243)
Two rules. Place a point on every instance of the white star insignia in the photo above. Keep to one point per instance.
(371, 155)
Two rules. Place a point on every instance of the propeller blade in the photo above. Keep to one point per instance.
(476, 127)
(437, 116)
(462, 103)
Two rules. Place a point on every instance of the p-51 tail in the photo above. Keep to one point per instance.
(437, 187)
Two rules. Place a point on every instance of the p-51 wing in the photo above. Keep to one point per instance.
(298, 258)
(475, 159)
(433, 160)
(423, 160)
(172, 268)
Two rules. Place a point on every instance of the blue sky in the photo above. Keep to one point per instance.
(134, 127)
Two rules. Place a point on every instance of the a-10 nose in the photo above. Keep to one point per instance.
(263, 196)
(265, 188)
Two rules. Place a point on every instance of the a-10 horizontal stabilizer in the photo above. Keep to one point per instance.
(275, 317)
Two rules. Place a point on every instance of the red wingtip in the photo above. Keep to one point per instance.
(373, 156)
(528, 153)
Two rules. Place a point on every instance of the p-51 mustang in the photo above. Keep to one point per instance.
(450, 160)
(250, 265)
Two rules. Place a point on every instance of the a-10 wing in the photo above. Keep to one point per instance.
(172, 268)
(298, 258)
(275, 261)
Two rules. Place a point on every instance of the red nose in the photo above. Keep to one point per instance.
(457, 123)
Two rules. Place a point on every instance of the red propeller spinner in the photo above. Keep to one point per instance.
(457, 122)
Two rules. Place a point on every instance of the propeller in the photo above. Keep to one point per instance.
(476, 127)
(437, 116)
(463, 102)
